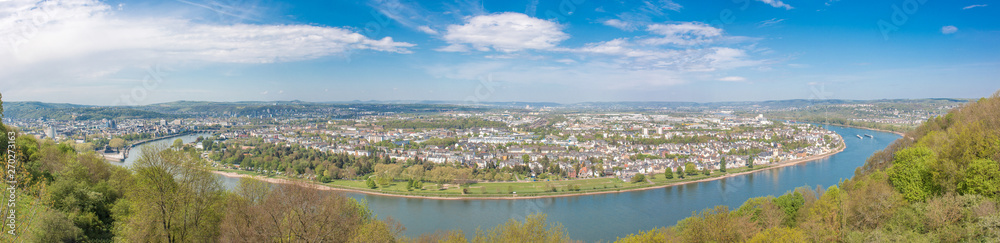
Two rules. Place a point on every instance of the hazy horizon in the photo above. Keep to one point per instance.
(458, 102)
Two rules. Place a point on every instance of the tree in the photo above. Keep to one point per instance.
(117, 143)
(870, 202)
(81, 191)
(207, 144)
(680, 172)
(779, 234)
(763, 211)
(533, 229)
(173, 198)
(84, 147)
(716, 224)
(384, 180)
(910, 174)
(982, 178)
(706, 171)
(822, 222)
(638, 178)
(55, 227)
(669, 174)
(371, 183)
(177, 143)
(722, 165)
(690, 168)
(298, 212)
(790, 203)
(661, 235)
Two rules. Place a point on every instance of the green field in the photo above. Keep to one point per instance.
(516, 189)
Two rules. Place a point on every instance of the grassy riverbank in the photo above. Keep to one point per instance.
(522, 189)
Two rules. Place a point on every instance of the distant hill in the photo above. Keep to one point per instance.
(177, 109)
(54, 111)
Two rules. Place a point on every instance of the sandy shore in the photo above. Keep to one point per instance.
(330, 188)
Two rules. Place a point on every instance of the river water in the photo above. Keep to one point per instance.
(607, 216)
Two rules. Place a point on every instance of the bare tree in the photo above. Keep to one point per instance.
(300, 213)
(173, 199)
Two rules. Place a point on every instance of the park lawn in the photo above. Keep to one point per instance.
(349, 183)
(543, 186)
(241, 172)
(398, 187)
(492, 188)
(533, 188)
(660, 180)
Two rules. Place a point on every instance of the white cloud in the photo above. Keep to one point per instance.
(427, 29)
(625, 64)
(411, 15)
(770, 22)
(638, 57)
(613, 47)
(641, 15)
(566, 61)
(733, 79)
(974, 6)
(687, 33)
(87, 48)
(82, 28)
(626, 26)
(695, 47)
(776, 4)
(453, 48)
(657, 7)
(950, 29)
(506, 32)
(668, 4)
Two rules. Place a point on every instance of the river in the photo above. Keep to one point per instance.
(607, 216)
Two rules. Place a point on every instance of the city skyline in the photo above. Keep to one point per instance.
(137, 52)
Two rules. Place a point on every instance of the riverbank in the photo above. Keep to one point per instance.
(902, 134)
(516, 197)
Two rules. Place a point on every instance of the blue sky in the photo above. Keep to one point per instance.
(143, 52)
